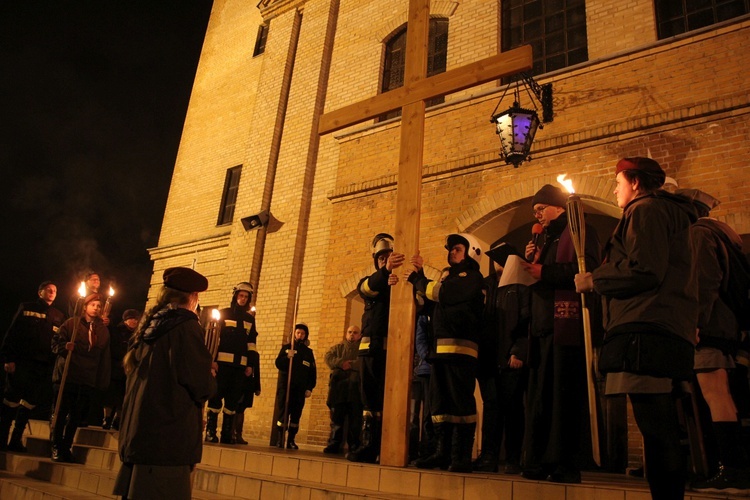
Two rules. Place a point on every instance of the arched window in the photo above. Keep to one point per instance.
(395, 52)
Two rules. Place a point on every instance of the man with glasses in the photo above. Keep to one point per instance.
(556, 406)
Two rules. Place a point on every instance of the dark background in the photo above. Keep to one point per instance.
(93, 95)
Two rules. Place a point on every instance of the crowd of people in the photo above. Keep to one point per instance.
(664, 322)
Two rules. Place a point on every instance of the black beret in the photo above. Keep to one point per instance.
(302, 326)
(185, 279)
(550, 195)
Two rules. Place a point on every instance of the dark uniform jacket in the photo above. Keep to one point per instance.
(118, 346)
(90, 361)
(304, 371)
(162, 422)
(343, 385)
(716, 321)
(506, 324)
(376, 293)
(459, 302)
(650, 289)
(30, 334)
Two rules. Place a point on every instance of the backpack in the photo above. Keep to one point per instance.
(735, 286)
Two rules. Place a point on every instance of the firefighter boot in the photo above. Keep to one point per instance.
(462, 445)
(369, 451)
(22, 418)
(334, 442)
(6, 419)
(239, 422)
(442, 455)
(227, 427)
(212, 420)
(290, 444)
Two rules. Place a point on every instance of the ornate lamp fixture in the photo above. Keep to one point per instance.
(517, 126)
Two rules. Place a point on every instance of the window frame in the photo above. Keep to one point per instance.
(229, 196)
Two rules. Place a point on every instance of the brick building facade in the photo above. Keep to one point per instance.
(682, 100)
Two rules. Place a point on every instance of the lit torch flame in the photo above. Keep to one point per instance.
(252, 309)
(566, 183)
(82, 289)
(111, 291)
(215, 314)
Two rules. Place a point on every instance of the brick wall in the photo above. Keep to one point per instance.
(683, 102)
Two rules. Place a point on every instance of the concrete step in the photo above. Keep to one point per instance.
(13, 486)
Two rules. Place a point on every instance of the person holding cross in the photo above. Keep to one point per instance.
(458, 299)
(375, 290)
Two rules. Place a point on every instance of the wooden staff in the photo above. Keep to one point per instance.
(285, 415)
(578, 235)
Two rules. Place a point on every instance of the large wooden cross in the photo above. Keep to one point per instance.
(411, 99)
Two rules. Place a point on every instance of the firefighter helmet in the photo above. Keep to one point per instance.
(472, 243)
(383, 242)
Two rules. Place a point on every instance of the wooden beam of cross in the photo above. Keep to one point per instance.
(411, 99)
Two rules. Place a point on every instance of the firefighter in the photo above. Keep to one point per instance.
(303, 379)
(376, 292)
(457, 327)
(237, 359)
(27, 359)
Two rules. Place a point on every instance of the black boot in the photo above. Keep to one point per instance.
(442, 456)
(369, 452)
(212, 420)
(290, 444)
(239, 422)
(227, 427)
(22, 418)
(462, 445)
(107, 423)
(485, 462)
(334, 442)
(7, 414)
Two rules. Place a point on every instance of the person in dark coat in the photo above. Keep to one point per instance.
(457, 328)
(651, 295)
(120, 337)
(85, 340)
(557, 409)
(343, 391)
(237, 359)
(502, 366)
(27, 360)
(170, 377)
(375, 291)
(301, 360)
(718, 337)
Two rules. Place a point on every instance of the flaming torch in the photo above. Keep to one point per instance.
(108, 304)
(577, 228)
(78, 310)
(213, 332)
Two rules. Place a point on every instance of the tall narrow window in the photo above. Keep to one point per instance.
(555, 29)
(674, 17)
(395, 50)
(229, 196)
(260, 40)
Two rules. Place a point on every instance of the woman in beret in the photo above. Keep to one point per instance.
(170, 376)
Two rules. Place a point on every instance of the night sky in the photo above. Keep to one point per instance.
(93, 96)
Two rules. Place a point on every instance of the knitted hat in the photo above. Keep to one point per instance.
(44, 284)
(131, 314)
(302, 326)
(550, 195)
(185, 279)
